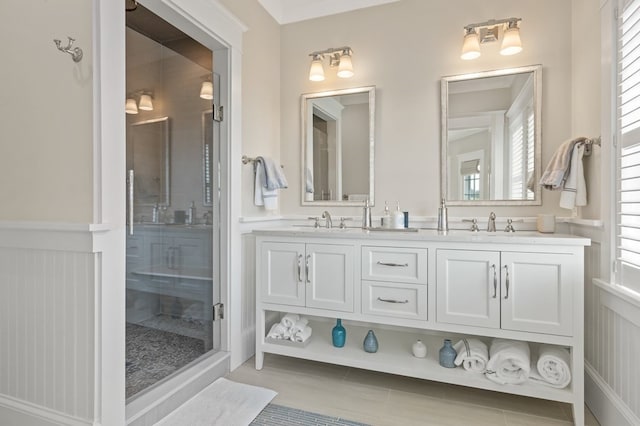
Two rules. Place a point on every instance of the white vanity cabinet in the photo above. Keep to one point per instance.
(421, 285)
(312, 275)
(519, 291)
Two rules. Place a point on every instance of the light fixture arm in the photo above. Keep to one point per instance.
(512, 22)
(332, 51)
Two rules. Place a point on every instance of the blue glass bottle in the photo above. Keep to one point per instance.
(339, 334)
(370, 343)
(447, 355)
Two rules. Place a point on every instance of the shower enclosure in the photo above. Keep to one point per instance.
(172, 252)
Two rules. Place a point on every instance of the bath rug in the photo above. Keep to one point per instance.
(223, 403)
(277, 415)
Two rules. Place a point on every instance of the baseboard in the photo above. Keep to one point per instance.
(16, 412)
(154, 405)
(604, 403)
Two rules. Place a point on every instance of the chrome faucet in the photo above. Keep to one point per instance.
(326, 215)
(491, 225)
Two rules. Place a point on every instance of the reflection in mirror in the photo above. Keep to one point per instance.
(338, 147)
(491, 140)
(148, 156)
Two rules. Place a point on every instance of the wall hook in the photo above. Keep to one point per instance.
(76, 52)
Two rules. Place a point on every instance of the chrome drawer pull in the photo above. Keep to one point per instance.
(401, 265)
(506, 270)
(495, 281)
(393, 301)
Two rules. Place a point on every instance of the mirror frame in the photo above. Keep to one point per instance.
(371, 90)
(537, 106)
(166, 159)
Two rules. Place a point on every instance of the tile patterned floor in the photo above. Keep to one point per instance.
(388, 400)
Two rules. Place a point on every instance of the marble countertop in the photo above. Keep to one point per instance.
(518, 237)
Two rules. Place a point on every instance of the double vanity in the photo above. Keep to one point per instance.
(422, 285)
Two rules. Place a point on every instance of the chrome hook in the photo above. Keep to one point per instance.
(76, 52)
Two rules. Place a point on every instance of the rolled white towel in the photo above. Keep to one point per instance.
(552, 367)
(302, 335)
(473, 355)
(299, 325)
(289, 320)
(509, 362)
(277, 331)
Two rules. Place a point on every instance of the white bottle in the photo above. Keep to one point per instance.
(419, 349)
(386, 217)
(397, 218)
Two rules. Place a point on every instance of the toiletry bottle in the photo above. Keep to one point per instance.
(443, 220)
(191, 213)
(397, 218)
(386, 217)
(366, 215)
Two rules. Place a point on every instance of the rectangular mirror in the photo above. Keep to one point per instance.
(148, 156)
(491, 137)
(338, 147)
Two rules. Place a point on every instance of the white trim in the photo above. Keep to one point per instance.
(620, 293)
(14, 409)
(604, 403)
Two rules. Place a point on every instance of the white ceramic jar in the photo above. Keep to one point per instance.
(419, 349)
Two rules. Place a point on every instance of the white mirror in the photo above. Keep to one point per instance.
(338, 147)
(491, 137)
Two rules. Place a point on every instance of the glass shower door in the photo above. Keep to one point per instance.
(172, 282)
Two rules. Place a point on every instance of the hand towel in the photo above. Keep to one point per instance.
(289, 320)
(574, 191)
(552, 367)
(303, 335)
(299, 325)
(473, 355)
(273, 175)
(509, 362)
(277, 331)
(261, 195)
(556, 172)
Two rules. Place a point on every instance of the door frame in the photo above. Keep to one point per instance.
(215, 27)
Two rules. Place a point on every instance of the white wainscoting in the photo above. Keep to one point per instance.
(47, 338)
(612, 344)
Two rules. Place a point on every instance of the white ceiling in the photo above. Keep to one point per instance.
(288, 11)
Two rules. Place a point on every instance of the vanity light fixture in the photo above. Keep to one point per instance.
(206, 90)
(145, 103)
(131, 107)
(338, 57)
(490, 31)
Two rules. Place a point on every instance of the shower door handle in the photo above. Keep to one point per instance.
(130, 199)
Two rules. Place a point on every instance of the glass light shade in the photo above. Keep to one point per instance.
(345, 68)
(206, 91)
(316, 73)
(145, 103)
(470, 46)
(130, 106)
(511, 43)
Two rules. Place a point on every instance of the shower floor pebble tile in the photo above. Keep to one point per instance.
(379, 399)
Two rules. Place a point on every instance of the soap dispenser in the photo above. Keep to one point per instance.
(443, 219)
(366, 215)
(386, 216)
(397, 218)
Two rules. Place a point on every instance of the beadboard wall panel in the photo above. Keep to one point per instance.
(47, 336)
(612, 344)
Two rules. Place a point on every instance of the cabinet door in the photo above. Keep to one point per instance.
(467, 288)
(281, 273)
(537, 294)
(330, 277)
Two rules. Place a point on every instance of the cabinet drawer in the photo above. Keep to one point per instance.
(397, 264)
(394, 300)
